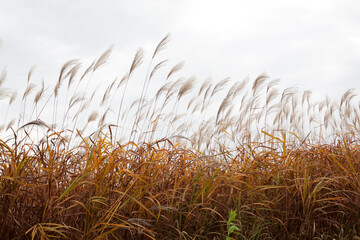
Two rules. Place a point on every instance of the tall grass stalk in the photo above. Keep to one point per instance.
(175, 163)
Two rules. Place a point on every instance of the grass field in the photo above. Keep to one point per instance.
(218, 160)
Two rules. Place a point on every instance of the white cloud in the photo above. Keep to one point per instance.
(311, 44)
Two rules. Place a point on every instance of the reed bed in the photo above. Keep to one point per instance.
(215, 160)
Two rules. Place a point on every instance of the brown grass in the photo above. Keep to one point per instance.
(163, 169)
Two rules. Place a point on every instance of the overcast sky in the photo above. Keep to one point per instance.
(308, 44)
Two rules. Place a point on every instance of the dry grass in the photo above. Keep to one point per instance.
(164, 169)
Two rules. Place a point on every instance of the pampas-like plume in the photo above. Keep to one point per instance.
(207, 92)
(348, 95)
(72, 73)
(93, 116)
(167, 99)
(13, 97)
(192, 100)
(233, 90)
(61, 76)
(103, 58)
(259, 81)
(30, 72)
(243, 84)
(28, 90)
(162, 89)
(186, 87)
(37, 122)
(40, 93)
(306, 96)
(139, 55)
(272, 95)
(123, 80)
(161, 45)
(105, 96)
(176, 68)
(65, 67)
(322, 105)
(78, 97)
(219, 86)
(287, 93)
(157, 66)
(173, 88)
(87, 70)
(222, 107)
(204, 85)
(271, 84)
(94, 92)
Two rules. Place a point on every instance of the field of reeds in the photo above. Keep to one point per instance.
(191, 160)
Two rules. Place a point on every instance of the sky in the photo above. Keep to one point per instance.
(308, 44)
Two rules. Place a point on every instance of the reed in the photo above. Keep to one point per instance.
(215, 160)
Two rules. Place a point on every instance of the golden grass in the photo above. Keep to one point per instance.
(288, 167)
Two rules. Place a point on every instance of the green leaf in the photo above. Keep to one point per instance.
(232, 216)
(232, 229)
